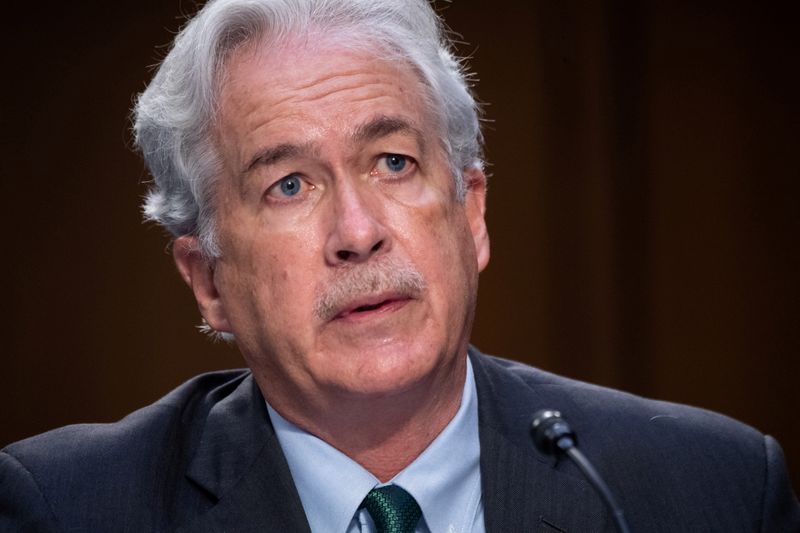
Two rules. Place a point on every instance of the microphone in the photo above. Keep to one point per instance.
(553, 436)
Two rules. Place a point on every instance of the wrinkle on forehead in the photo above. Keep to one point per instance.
(251, 91)
(286, 54)
(287, 74)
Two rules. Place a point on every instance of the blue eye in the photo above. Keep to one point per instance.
(290, 185)
(291, 188)
(395, 162)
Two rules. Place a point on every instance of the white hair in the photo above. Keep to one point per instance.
(173, 117)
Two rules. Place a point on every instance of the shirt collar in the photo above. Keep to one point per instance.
(332, 486)
(446, 479)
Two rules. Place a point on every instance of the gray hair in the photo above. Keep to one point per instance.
(173, 117)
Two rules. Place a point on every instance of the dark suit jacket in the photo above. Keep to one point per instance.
(205, 458)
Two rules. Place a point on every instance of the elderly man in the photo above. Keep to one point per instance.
(319, 165)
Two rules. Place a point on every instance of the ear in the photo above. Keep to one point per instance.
(198, 273)
(475, 205)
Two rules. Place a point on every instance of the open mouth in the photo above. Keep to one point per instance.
(364, 308)
(381, 305)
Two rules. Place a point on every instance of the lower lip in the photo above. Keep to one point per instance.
(386, 308)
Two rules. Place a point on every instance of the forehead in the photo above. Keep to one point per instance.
(316, 87)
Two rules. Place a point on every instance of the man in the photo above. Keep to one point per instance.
(318, 163)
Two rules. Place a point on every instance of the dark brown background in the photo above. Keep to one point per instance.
(643, 208)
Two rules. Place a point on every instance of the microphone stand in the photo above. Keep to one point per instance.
(552, 435)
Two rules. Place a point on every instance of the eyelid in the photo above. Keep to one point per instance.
(305, 188)
(411, 164)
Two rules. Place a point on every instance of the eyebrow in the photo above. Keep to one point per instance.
(275, 154)
(374, 129)
(383, 126)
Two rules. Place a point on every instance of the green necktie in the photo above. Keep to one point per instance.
(393, 509)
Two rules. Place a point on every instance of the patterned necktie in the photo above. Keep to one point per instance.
(393, 509)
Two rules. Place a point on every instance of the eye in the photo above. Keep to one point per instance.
(290, 185)
(395, 162)
(394, 166)
(286, 187)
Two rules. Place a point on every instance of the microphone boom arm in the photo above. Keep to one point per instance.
(552, 436)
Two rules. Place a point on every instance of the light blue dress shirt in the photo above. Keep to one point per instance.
(445, 479)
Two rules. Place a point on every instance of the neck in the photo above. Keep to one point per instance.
(383, 433)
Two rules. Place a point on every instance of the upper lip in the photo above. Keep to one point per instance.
(370, 300)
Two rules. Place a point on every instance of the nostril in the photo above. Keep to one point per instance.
(358, 254)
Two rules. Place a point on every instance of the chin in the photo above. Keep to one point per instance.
(388, 368)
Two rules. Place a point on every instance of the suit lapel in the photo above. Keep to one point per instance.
(240, 463)
(524, 490)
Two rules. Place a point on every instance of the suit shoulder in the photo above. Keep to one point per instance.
(139, 434)
(670, 463)
(129, 475)
(595, 409)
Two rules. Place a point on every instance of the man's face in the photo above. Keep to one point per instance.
(348, 266)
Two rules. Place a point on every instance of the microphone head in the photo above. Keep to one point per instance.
(551, 433)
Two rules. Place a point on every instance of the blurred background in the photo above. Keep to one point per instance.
(643, 206)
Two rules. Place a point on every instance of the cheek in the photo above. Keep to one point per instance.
(267, 277)
(449, 230)
(279, 276)
(442, 244)
(262, 256)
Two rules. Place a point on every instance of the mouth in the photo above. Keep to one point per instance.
(371, 306)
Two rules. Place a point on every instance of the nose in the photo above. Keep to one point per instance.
(358, 231)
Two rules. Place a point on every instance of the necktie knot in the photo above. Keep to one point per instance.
(392, 509)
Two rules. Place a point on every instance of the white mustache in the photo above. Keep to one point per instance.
(377, 276)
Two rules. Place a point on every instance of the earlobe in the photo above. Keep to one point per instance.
(475, 204)
(198, 274)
